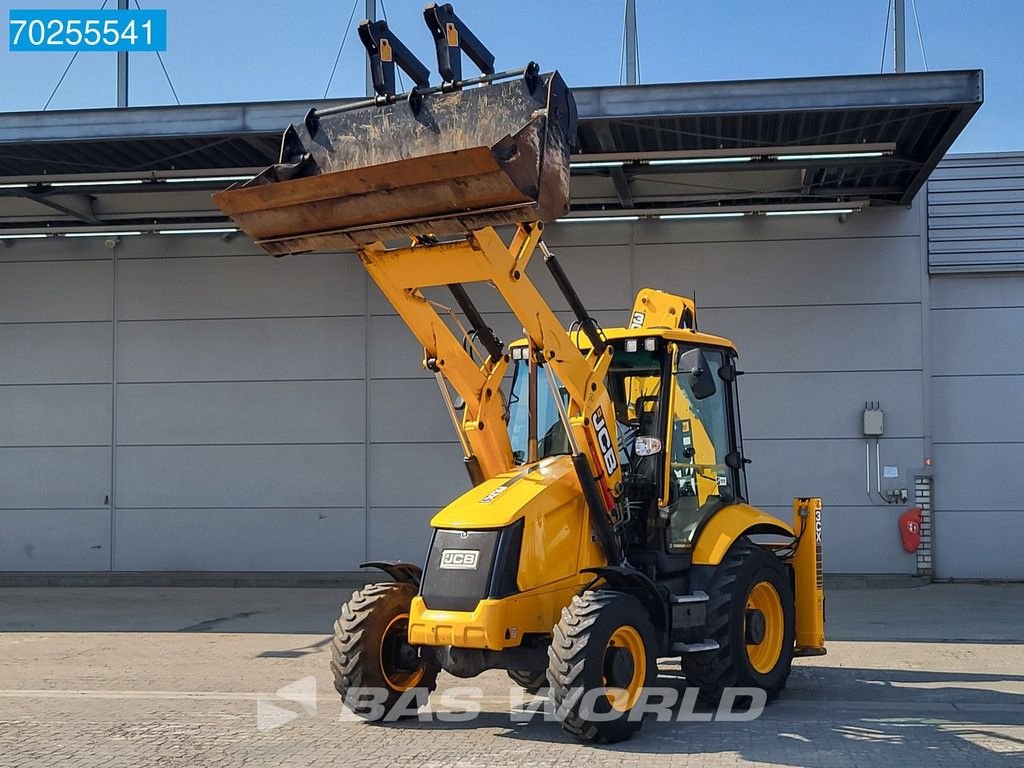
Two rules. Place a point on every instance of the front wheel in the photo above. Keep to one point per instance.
(751, 616)
(373, 663)
(601, 658)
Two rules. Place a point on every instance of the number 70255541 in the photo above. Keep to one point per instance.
(72, 30)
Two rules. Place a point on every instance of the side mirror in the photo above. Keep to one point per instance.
(728, 372)
(735, 460)
(698, 374)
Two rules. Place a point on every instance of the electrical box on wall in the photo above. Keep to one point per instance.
(873, 419)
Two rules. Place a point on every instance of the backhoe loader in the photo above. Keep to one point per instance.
(606, 526)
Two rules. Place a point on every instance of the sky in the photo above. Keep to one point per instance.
(266, 50)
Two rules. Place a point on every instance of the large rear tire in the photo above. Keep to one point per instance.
(602, 656)
(371, 650)
(751, 616)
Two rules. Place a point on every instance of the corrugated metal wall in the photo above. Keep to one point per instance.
(975, 226)
(976, 214)
(273, 414)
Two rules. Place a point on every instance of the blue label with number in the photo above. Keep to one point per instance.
(87, 30)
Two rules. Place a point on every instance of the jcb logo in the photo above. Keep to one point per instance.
(604, 443)
(459, 559)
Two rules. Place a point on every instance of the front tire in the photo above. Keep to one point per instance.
(751, 616)
(601, 658)
(371, 651)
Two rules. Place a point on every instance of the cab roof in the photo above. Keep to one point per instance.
(684, 335)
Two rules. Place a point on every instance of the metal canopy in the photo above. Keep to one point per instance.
(751, 145)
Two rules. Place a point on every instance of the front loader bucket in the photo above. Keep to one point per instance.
(482, 156)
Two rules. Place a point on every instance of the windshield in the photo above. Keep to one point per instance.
(634, 384)
(551, 437)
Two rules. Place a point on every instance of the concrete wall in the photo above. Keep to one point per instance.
(825, 315)
(55, 408)
(977, 316)
(273, 415)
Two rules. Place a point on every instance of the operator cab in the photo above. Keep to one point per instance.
(678, 432)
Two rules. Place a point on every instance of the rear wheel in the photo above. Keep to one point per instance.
(373, 663)
(531, 682)
(751, 616)
(601, 658)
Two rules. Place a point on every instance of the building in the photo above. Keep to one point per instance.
(172, 399)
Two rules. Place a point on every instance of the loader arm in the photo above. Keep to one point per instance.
(403, 274)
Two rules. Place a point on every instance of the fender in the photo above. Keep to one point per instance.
(718, 532)
(403, 573)
(633, 582)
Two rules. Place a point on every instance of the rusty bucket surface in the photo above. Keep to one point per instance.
(484, 156)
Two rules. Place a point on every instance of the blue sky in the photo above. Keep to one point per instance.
(252, 50)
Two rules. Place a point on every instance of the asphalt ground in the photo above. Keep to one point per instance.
(928, 676)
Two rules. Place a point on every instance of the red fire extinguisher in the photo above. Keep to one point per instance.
(910, 529)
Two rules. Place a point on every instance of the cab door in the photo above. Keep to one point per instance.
(701, 435)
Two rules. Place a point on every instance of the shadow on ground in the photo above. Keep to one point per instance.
(828, 718)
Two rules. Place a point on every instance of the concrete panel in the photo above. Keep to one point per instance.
(840, 338)
(239, 539)
(241, 412)
(860, 539)
(400, 534)
(815, 272)
(973, 341)
(49, 291)
(958, 291)
(802, 405)
(72, 414)
(979, 476)
(53, 353)
(55, 540)
(241, 350)
(179, 246)
(979, 544)
(408, 411)
(52, 249)
(240, 286)
(416, 474)
(832, 469)
(393, 350)
(978, 409)
(54, 478)
(241, 476)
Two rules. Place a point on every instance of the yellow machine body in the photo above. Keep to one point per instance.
(556, 544)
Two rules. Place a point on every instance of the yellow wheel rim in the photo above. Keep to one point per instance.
(400, 680)
(765, 655)
(624, 657)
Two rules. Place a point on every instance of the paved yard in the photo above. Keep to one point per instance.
(930, 676)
